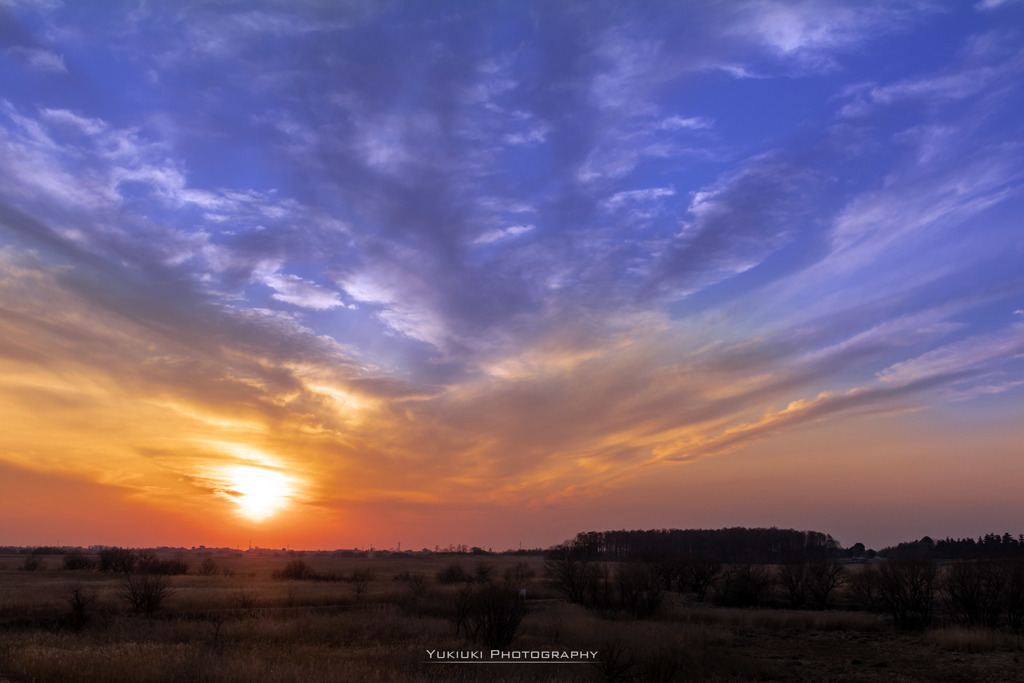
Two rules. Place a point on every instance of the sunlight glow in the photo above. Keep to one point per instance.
(258, 492)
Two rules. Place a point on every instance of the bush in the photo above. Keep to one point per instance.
(699, 572)
(295, 570)
(571, 570)
(1015, 595)
(80, 605)
(148, 563)
(825, 577)
(415, 581)
(907, 589)
(76, 560)
(208, 567)
(863, 589)
(518, 575)
(744, 585)
(484, 572)
(360, 581)
(120, 560)
(794, 577)
(145, 593)
(493, 616)
(973, 592)
(453, 574)
(639, 591)
(32, 564)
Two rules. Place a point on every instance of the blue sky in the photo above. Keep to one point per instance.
(453, 256)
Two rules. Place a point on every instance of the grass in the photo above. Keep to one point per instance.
(240, 624)
(974, 640)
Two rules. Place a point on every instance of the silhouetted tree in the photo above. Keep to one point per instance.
(825, 576)
(145, 593)
(701, 572)
(570, 570)
(863, 588)
(973, 592)
(120, 560)
(743, 585)
(76, 560)
(907, 589)
(794, 577)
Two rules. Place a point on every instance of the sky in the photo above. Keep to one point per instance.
(353, 274)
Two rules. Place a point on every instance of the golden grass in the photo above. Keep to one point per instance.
(245, 626)
(974, 640)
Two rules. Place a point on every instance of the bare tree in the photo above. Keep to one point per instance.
(863, 588)
(794, 577)
(494, 615)
(80, 603)
(570, 568)
(825, 577)
(120, 560)
(1015, 595)
(361, 581)
(701, 572)
(973, 592)
(145, 593)
(907, 589)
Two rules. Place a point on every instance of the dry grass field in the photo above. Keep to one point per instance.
(375, 619)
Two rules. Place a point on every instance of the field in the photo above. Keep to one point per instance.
(374, 619)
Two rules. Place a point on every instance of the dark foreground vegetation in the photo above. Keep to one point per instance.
(656, 606)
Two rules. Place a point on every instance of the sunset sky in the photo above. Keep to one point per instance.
(334, 274)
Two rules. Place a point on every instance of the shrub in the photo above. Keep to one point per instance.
(863, 589)
(825, 577)
(145, 593)
(638, 590)
(494, 616)
(699, 573)
(452, 574)
(794, 577)
(76, 560)
(295, 570)
(148, 563)
(484, 572)
(744, 585)
(907, 589)
(973, 592)
(79, 603)
(360, 581)
(120, 560)
(208, 567)
(570, 569)
(415, 581)
(32, 564)
(518, 575)
(1015, 595)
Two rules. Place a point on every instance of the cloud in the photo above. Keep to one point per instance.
(986, 5)
(504, 233)
(732, 226)
(877, 219)
(968, 354)
(544, 227)
(690, 123)
(39, 59)
(294, 290)
(811, 33)
(987, 62)
(638, 196)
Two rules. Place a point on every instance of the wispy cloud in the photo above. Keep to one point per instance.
(39, 59)
(498, 258)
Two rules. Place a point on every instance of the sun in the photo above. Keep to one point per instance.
(258, 492)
